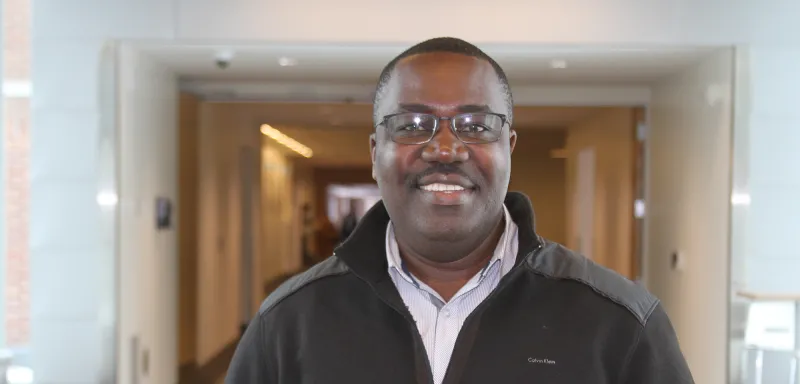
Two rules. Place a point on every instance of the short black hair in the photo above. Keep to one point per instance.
(442, 44)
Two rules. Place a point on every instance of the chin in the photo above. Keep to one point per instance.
(451, 229)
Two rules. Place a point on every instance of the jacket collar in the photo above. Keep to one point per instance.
(364, 252)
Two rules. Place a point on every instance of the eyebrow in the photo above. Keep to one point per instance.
(474, 108)
(422, 108)
(411, 107)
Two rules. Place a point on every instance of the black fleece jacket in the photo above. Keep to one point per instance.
(555, 318)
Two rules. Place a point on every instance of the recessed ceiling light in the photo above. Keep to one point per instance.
(287, 62)
(286, 141)
(558, 64)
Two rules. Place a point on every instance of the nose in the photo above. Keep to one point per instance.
(444, 146)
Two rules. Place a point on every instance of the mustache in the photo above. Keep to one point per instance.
(443, 168)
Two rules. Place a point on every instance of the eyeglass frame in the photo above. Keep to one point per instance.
(503, 119)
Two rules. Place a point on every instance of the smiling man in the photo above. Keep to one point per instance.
(446, 280)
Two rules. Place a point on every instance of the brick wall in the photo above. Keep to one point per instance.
(16, 139)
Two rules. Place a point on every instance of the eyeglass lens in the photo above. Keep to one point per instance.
(418, 128)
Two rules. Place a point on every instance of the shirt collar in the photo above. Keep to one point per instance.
(503, 247)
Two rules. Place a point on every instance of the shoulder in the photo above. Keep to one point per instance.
(329, 268)
(555, 261)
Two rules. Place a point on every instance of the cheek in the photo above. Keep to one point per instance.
(392, 162)
(494, 163)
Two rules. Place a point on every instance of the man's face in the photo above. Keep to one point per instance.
(411, 176)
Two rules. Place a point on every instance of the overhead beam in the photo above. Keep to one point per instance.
(525, 95)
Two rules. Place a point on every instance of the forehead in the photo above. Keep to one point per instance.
(443, 81)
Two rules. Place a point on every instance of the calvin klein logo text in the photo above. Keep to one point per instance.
(541, 361)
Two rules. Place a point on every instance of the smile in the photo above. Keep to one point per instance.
(446, 192)
(441, 187)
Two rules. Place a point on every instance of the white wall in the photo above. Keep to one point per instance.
(688, 195)
(148, 258)
(580, 21)
(573, 21)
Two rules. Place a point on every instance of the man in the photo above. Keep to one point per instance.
(350, 221)
(446, 280)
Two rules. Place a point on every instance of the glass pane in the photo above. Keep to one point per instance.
(765, 218)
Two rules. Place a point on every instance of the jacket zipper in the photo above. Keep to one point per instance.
(500, 286)
(413, 325)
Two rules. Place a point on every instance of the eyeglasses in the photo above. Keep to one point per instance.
(419, 128)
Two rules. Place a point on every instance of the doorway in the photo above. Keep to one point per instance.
(337, 112)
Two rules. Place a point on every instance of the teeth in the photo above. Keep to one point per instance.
(439, 187)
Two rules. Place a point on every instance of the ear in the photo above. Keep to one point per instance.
(512, 140)
(372, 146)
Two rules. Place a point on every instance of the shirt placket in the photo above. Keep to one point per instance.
(448, 323)
(445, 334)
(441, 330)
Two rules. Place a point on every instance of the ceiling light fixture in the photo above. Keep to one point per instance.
(287, 62)
(558, 64)
(286, 141)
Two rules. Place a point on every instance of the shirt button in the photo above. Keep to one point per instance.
(446, 313)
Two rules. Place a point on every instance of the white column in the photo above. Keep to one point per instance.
(765, 220)
(72, 237)
(766, 215)
(2, 193)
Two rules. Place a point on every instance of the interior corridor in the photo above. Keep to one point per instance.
(299, 203)
(167, 164)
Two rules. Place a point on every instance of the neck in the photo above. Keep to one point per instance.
(447, 278)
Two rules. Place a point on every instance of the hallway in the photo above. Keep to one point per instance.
(658, 138)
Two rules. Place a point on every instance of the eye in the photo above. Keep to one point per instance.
(410, 127)
(474, 123)
(475, 128)
(411, 123)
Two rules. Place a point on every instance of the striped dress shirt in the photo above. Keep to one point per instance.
(440, 321)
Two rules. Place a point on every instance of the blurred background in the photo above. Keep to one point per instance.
(166, 164)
